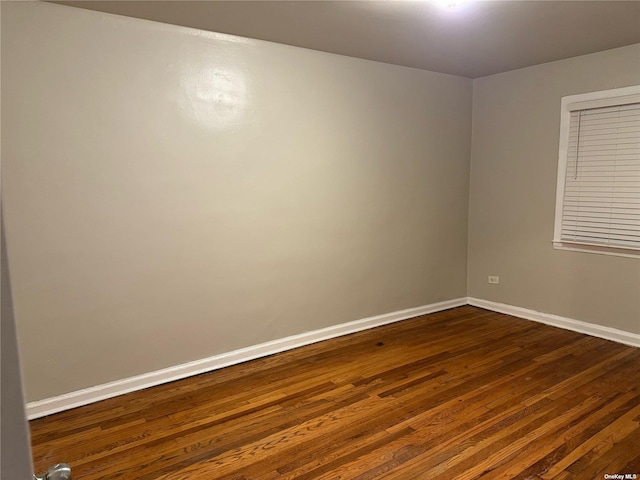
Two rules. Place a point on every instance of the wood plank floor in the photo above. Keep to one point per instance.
(460, 394)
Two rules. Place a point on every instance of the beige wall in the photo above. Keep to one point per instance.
(516, 123)
(173, 194)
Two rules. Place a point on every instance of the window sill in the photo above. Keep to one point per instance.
(597, 249)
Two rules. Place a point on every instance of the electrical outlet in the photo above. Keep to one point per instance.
(494, 280)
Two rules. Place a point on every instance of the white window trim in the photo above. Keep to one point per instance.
(617, 96)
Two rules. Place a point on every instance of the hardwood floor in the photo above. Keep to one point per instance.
(460, 394)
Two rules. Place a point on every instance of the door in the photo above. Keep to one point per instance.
(15, 447)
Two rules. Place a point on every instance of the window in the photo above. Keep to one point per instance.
(598, 195)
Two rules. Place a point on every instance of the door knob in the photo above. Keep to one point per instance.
(60, 471)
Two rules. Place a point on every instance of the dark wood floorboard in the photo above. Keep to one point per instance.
(460, 394)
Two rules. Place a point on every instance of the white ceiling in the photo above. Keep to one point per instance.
(479, 38)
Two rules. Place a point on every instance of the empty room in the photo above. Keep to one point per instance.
(262, 240)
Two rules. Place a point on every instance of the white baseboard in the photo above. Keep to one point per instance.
(592, 329)
(86, 396)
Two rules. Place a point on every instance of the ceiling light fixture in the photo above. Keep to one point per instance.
(450, 4)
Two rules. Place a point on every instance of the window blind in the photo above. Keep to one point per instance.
(601, 204)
